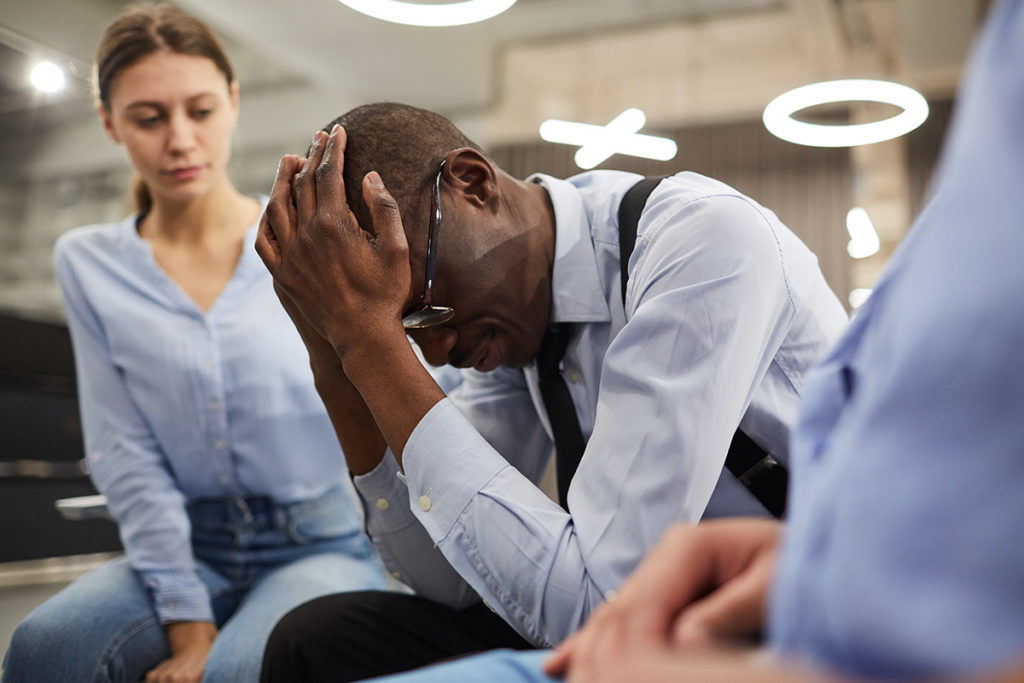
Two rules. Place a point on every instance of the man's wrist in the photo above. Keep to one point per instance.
(372, 348)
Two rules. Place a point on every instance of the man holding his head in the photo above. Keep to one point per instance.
(696, 344)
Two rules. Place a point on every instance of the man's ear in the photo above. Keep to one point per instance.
(108, 123)
(472, 175)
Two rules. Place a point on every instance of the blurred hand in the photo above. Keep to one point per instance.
(190, 643)
(702, 584)
(348, 283)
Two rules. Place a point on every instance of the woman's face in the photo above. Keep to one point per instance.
(174, 114)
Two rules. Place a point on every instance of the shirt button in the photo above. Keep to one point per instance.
(214, 406)
(574, 376)
(396, 575)
(425, 503)
(225, 479)
(218, 444)
(383, 504)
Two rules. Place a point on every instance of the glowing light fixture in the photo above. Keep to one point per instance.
(858, 297)
(422, 14)
(620, 136)
(779, 121)
(864, 240)
(48, 77)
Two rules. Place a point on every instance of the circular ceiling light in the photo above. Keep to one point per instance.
(48, 77)
(779, 121)
(421, 14)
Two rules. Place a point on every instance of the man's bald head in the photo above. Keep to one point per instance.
(405, 145)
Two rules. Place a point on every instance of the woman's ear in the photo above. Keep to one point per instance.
(472, 174)
(108, 123)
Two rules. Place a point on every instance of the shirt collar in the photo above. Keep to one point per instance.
(577, 295)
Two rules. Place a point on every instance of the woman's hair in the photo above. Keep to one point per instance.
(139, 31)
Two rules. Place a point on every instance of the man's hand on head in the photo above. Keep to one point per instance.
(349, 283)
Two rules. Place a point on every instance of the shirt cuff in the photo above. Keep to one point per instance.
(446, 463)
(384, 497)
(179, 596)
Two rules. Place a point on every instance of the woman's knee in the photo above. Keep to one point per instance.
(36, 641)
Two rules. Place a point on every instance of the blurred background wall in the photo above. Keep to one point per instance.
(702, 70)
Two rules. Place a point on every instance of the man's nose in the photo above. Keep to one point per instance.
(435, 343)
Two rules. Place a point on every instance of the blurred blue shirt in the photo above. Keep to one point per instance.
(904, 553)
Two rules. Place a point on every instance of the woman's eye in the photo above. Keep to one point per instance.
(201, 113)
(147, 121)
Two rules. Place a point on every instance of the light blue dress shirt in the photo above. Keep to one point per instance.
(904, 554)
(179, 405)
(725, 309)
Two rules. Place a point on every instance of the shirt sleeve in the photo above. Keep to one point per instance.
(708, 306)
(500, 404)
(127, 466)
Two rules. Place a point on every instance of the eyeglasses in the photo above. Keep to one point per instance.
(425, 313)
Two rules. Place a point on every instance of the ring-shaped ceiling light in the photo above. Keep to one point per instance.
(779, 121)
(420, 14)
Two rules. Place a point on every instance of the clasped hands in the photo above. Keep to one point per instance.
(700, 588)
(349, 283)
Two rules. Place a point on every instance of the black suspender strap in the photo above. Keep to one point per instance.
(764, 476)
(630, 208)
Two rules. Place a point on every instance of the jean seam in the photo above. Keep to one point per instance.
(101, 673)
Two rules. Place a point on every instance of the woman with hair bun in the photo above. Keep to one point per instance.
(202, 424)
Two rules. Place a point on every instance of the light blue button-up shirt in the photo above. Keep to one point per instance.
(904, 555)
(725, 309)
(178, 404)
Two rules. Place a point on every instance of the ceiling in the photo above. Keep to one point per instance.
(302, 62)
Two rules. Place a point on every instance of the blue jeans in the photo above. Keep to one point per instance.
(258, 562)
(507, 666)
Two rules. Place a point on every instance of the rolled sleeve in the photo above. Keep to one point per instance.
(178, 596)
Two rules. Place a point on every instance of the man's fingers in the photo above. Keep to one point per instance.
(267, 245)
(305, 182)
(387, 220)
(280, 212)
(734, 612)
(329, 181)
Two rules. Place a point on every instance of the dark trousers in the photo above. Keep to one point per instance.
(352, 636)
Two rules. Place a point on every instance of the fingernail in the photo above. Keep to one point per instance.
(334, 129)
(374, 179)
(316, 137)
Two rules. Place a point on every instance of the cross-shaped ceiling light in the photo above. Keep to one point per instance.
(620, 136)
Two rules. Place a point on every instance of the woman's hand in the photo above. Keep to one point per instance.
(190, 643)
